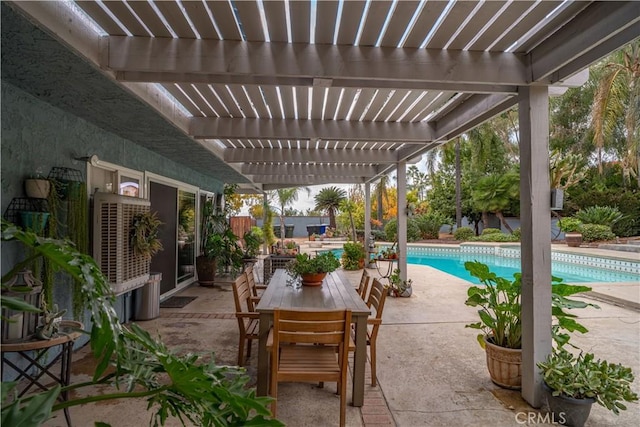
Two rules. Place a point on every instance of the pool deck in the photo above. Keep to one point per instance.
(431, 372)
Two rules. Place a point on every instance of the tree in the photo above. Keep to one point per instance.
(328, 200)
(494, 193)
(616, 107)
(418, 181)
(382, 196)
(285, 197)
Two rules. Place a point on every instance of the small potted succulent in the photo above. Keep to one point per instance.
(399, 287)
(312, 270)
(574, 383)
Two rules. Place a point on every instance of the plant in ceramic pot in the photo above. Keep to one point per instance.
(37, 186)
(312, 270)
(252, 241)
(572, 228)
(353, 256)
(574, 383)
(499, 303)
(399, 287)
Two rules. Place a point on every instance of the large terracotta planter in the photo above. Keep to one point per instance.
(505, 365)
(206, 269)
(313, 279)
(573, 240)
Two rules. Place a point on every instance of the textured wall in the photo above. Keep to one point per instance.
(38, 135)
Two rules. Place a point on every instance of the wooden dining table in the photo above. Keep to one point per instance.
(336, 292)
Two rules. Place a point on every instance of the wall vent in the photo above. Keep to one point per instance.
(112, 219)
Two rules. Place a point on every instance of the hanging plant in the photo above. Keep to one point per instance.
(144, 235)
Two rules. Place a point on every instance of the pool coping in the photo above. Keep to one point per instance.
(625, 262)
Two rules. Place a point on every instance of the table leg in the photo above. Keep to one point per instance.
(263, 355)
(359, 361)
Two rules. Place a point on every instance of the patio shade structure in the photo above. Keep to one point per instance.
(274, 94)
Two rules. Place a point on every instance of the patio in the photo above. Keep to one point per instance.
(430, 370)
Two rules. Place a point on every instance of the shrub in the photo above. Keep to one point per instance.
(391, 230)
(628, 201)
(379, 234)
(429, 224)
(602, 215)
(495, 237)
(596, 232)
(517, 234)
(570, 225)
(491, 231)
(463, 234)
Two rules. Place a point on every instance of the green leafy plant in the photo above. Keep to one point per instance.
(144, 235)
(252, 241)
(570, 225)
(500, 307)
(495, 237)
(325, 262)
(595, 233)
(397, 285)
(601, 215)
(130, 360)
(463, 234)
(583, 377)
(488, 231)
(352, 256)
(429, 224)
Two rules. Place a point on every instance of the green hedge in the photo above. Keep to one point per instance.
(464, 234)
(596, 233)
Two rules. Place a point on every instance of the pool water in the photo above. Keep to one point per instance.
(453, 263)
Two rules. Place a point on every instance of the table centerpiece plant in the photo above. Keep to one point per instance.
(312, 270)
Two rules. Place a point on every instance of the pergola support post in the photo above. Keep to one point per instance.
(536, 237)
(367, 220)
(402, 219)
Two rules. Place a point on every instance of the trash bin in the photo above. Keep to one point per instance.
(147, 298)
(288, 231)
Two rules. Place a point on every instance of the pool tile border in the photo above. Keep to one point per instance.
(511, 251)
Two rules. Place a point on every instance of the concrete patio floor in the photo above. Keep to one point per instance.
(431, 371)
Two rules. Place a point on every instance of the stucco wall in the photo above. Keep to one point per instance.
(38, 135)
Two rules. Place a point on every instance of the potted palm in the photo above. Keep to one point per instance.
(574, 383)
(312, 270)
(498, 300)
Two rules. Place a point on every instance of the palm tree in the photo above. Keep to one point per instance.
(285, 197)
(494, 193)
(616, 107)
(328, 199)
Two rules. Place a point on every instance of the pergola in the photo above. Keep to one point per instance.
(274, 94)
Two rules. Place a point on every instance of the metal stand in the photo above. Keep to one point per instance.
(33, 352)
(389, 267)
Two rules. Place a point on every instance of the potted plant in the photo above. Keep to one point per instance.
(399, 287)
(498, 300)
(353, 256)
(572, 228)
(37, 186)
(312, 270)
(252, 241)
(574, 383)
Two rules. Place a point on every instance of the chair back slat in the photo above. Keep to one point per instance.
(363, 287)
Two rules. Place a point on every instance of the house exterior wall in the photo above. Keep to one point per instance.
(37, 135)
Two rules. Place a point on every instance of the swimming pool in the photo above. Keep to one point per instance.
(505, 261)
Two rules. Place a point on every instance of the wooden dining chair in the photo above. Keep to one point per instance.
(376, 299)
(363, 287)
(256, 289)
(248, 323)
(304, 350)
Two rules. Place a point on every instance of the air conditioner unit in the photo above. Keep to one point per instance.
(112, 220)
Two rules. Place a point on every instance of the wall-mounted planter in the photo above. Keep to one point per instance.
(34, 221)
(37, 188)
